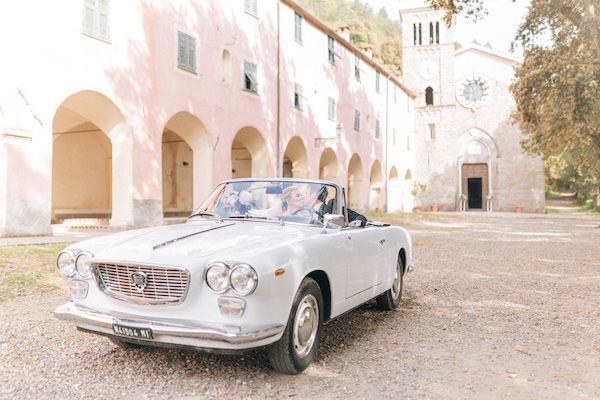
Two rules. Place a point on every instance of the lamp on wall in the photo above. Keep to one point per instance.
(338, 136)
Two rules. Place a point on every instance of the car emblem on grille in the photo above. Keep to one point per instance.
(139, 280)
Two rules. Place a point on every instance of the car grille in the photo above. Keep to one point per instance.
(142, 283)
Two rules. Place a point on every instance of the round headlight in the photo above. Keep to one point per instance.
(83, 264)
(65, 262)
(217, 277)
(243, 279)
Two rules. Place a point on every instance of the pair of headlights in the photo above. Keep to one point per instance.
(242, 278)
(70, 263)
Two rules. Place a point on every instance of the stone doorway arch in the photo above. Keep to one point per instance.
(328, 165)
(394, 191)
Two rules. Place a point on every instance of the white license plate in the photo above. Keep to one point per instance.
(132, 331)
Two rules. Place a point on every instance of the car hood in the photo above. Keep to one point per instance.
(198, 238)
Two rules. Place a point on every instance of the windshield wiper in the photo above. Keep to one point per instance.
(265, 217)
(207, 214)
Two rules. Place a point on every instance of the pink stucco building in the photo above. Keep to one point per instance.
(135, 110)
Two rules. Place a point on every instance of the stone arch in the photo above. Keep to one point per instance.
(249, 155)
(328, 165)
(376, 184)
(295, 159)
(186, 164)
(395, 198)
(91, 160)
(355, 182)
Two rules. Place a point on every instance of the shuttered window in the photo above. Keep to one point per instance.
(331, 109)
(377, 129)
(298, 27)
(250, 81)
(298, 96)
(96, 18)
(186, 51)
(357, 120)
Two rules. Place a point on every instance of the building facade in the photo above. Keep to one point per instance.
(133, 111)
(468, 153)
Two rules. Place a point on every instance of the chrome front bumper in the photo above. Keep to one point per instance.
(226, 337)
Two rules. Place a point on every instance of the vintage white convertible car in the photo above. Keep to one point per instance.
(262, 262)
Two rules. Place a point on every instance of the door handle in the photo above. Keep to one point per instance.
(381, 241)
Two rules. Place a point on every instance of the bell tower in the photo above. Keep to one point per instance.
(428, 70)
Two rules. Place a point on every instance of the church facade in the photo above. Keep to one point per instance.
(467, 149)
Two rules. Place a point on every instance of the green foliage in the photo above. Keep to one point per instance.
(367, 27)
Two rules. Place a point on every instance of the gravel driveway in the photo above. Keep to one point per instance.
(499, 306)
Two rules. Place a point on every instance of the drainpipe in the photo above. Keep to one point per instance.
(278, 171)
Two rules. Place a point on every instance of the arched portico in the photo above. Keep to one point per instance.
(376, 187)
(355, 182)
(295, 159)
(91, 160)
(249, 155)
(328, 165)
(394, 191)
(408, 200)
(187, 164)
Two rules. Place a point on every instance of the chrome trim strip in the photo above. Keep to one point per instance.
(411, 267)
(92, 319)
(158, 246)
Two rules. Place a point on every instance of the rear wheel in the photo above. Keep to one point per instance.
(296, 349)
(391, 298)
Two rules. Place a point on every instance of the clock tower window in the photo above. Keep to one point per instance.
(429, 96)
(437, 33)
(431, 33)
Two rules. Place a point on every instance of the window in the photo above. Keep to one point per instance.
(431, 33)
(431, 129)
(377, 76)
(357, 120)
(394, 137)
(186, 52)
(408, 142)
(331, 49)
(395, 96)
(331, 108)
(437, 33)
(298, 27)
(298, 96)
(377, 129)
(250, 82)
(357, 67)
(415, 34)
(95, 18)
(251, 6)
(429, 96)
(420, 35)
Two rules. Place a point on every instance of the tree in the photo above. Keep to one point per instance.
(367, 27)
(557, 88)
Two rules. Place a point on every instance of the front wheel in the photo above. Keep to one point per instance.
(390, 299)
(296, 349)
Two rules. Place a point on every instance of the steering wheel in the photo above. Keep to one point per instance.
(305, 212)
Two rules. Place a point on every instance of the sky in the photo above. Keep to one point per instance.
(498, 28)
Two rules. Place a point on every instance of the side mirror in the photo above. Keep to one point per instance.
(336, 219)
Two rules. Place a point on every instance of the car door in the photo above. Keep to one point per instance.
(365, 255)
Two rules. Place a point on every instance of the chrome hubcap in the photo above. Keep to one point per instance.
(306, 323)
(397, 285)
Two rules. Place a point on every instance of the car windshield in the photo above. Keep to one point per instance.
(292, 201)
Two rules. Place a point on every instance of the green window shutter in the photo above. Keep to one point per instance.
(181, 55)
(89, 11)
(103, 19)
(191, 53)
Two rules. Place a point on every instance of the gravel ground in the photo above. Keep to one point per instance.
(499, 306)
